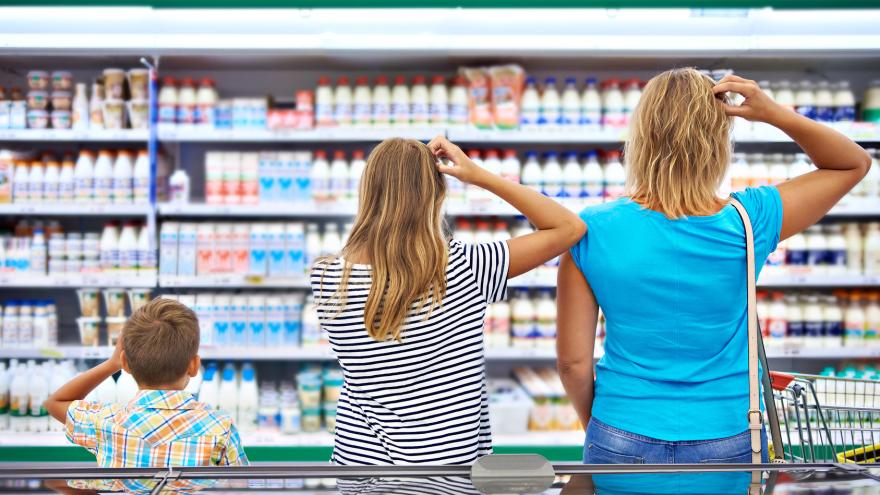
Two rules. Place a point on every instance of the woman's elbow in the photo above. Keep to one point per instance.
(575, 231)
(574, 367)
(865, 162)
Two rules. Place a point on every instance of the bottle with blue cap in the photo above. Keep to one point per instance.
(531, 172)
(593, 177)
(591, 105)
(552, 175)
(551, 107)
(571, 103)
(209, 390)
(248, 399)
(228, 399)
(571, 176)
(530, 105)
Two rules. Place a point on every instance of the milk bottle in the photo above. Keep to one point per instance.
(126, 388)
(228, 393)
(331, 244)
(814, 321)
(50, 182)
(355, 171)
(613, 105)
(439, 107)
(552, 176)
(794, 316)
(500, 324)
(464, 232)
(256, 318)
(545, 319)
(294, 245)
(141, 178)
(324, 103)
(35, 183)
(66, 182)
(631, 99)
(530, 105)
(593, 177)
(833, 324)
(765, 87)
(571, 103)
(168, 238)
(472, 191)
(313, 245)
(128, 249)
(362, 110)
(80, 115)
(799, 166)
(109, 248)
(19, 400)
(84, 177)
(146, 255)
(276, 253)
(854, 321)
(836, 257)
(122, 178)
(338, 185)
(615, 176)
(458, 103)
(209, 392)
(805, 100)
(510, 167)
(872, 315)
(777, 322)
(381, 100)
(482, 234)
(591, 105)
(500, 233)
(259, 249)
(531, 172)
(493, 164)
(796, 256)
(551, 107)
(342, 100)
(817, 250)
(4, 397)
(248, 402)
(206, 103)
(872, 249)
(523, 320)
(20, 183)
(418, 109)
(320, 177)
(186, 104)
(844, 103)
(824, 102)
(571, 176)
(400, 103)
(759, 171)
(854, 249)
(103, 177)
(871, 183)
(168, 101)
(784, 94)
(777, 172)
(740, 173)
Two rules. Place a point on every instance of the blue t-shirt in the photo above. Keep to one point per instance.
(674, 297)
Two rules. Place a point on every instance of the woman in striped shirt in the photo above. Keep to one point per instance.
(403, 306)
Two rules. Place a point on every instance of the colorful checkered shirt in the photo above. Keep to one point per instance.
(159, 428)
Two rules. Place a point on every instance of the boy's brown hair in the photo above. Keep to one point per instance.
(160, 340)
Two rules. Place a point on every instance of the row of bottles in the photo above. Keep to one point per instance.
(835, 249)
(31, 324)
(818, 320)
(24, 387)
(596, 106)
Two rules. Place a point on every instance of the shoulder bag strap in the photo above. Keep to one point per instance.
(755, 418)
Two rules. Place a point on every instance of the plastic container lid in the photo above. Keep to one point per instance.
(491, 153)
(419, 80)
(400, 81)
(438, 80)
(362, 81)
(320, 154)
(357, 154)
(339, 155)
(551, 81)
(342, 81)
(323, 81)
(380, 80)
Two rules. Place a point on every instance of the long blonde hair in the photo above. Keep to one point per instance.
(679, 146)
(400, 228)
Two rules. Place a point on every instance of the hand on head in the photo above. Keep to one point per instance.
(757, 105)
(462, 168)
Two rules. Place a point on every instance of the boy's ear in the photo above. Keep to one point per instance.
(194, 366)
(124, 359)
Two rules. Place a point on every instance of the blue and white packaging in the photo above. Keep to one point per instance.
(258, 250)
(256, 319)
(292, 306)
(168, 238)
(186, 251)
(286, 170)
(268, 179)
(274, 321)
(220, 319)
(303, 176)
(204, 311)
(294, 247)
(238, 319)
(276, 250)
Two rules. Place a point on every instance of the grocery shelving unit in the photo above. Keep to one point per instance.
(294, 50)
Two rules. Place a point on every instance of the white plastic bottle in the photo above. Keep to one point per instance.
(209, 390)
(777, 172)
(126, 388)
(510, 166)
(814, 321)
(630, 99)
(794, 316)
(439, 104)
(458, 103)
(195, 383)
(110, 248)
(313, 245)
(805, 100)
(844, 103)
(381, 101)
(123, 172)
(66, 182)
(342, 100)
(168, 99)
(523, 320)
(20, 183)
(531, 172)
(355, 171)
(854, 249)
(551, 184)
(84, 177)
(817, 250)
(492, 162)
(759, 170)
(51, 180)
(248, 399)
(871, 183)
(103, 177)
(551, 106)
(141, 178)
(832, 314)
(128, 249)
(613, 105)
(872, 248)
(464, 231)
(4, 396)
(331, 243)
(19, 400)
(80, 115)
(206, 103)
(740, 173)
(339, 177)
(530, 105)
(784, 95)
(228, 392)
(571, 103)
(178, 187)
(836, 257)
(35, 181)
(777, 321)
(320, 177)
(591, 105)
(418, 104)
(38, 392)
(572, 182)
(482, 234)
(362, 109)
(324, 103)
(854, 322)
(872, 315)
(146, 252)
(615, 176)
(400, 103)
(824, 102)
(799, 166)
(38, 252)
(593, 177)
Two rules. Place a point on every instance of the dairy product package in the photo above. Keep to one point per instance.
(479, 96)
(506, 82)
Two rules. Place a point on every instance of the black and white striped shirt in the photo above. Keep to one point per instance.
(422, 400)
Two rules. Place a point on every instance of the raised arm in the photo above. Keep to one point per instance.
(558, 227)
(841, 162)
(576, 316)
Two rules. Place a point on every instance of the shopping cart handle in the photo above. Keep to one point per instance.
(780, 380)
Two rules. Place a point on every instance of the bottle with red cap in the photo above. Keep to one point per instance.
(510, 166)
(342, 113)
(186, 104)
(362, 108)
(475, 194)
(206, 102)
(168, 101)
(418, 108)
(324, 103)
(320, 177)
(400, 103)
(483, 233)
(612, 105)
(631, 98)
(381, 102)
(355, 171)
(464, 232)
(615, 176)
(439, 107)
(338, 186)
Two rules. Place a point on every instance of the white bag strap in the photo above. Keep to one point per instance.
(755, 417)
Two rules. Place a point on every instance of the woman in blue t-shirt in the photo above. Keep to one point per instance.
(667, 266)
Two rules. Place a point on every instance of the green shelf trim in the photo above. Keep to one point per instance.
(262, 454)
(211, 4)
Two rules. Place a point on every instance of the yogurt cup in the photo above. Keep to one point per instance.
(88, 330)
(114, 329)
(114, 302)
(38, 79)
(37, 119)
(138, 83)
(138, 298)
(61, 100)
(114, 114)
(62, 80)
(88, 302)
(114, 83)
(138, 113)
(38, 99)
(61, 119)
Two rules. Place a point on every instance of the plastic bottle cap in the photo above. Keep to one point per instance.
(473, 154)
(509, 153)
(342, 81)
(357, 154)
(438, 80)
(207, 81)
(381, 80)
(339, 155)
(570, 80)
(321, 154)
(491, 154)
(168, 81)
(400, 81)
(419, 80)
(187, 81)
(362, 81)
(323, 81)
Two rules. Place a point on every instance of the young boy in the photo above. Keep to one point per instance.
(164, 425)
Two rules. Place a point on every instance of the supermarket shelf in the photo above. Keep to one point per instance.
(519, 136)
(61, 209)
(13, 280)
(281, 210)
(182, 134)
(101, 135)
(232, 281)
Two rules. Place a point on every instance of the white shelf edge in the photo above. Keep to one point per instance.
(102, 135)
(232, 281)
(143, 281)
(329, 134)
(61, 209)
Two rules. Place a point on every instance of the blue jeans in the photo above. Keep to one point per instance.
(609, 445)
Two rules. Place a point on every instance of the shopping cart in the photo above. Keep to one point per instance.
(823, 419)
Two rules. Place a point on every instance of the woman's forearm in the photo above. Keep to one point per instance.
(578, 383)
(542, 212)
(78, 388)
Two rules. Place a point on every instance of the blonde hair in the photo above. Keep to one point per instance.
(399, 227)
(678, 149)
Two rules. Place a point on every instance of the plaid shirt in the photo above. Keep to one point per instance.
(159, 428)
